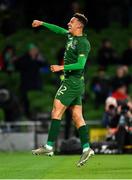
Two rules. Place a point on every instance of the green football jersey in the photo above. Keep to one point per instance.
(76, 45)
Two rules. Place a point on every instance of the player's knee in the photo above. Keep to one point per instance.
(56, 114)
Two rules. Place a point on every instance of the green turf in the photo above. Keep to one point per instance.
(26, 166)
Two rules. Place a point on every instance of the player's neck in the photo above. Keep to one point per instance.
(78, 32)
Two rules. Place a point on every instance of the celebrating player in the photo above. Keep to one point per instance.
(72, 88)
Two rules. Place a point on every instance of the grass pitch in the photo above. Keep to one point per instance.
(26, 166)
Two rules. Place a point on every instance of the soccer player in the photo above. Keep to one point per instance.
(72, 88)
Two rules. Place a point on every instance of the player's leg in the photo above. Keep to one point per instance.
(62, 100)
(80, 124)
(83, 133)
(56, 115)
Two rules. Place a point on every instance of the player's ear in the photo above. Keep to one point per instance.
(80, 25)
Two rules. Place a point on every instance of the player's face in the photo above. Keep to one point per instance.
(73, 25)
(33, 52)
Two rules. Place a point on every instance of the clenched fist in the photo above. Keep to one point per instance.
(37, 23)
(56, 68)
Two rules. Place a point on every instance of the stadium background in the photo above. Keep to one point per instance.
(108, 19)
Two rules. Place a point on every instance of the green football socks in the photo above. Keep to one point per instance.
(53, 131)
(83, 134)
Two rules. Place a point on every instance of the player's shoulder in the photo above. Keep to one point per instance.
(83, 40)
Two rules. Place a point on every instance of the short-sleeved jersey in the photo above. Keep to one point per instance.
(76, 45)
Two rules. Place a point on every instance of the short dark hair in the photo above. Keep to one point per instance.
(81, 18)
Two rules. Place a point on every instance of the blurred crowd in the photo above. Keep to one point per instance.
(116, 92)
(30, 65)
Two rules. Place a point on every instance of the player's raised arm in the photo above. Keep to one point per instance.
(52, 27)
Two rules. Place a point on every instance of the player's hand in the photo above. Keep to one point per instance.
(36, 23)
(56, 68)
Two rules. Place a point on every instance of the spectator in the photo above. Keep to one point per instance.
(29, 67)
(127, 54)
(111, 117)
(100, 87)
(120, 94)
(118, 98)
(8, 55)
(122, 77)
(106, 54)
(10, 105)
(118, 117)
